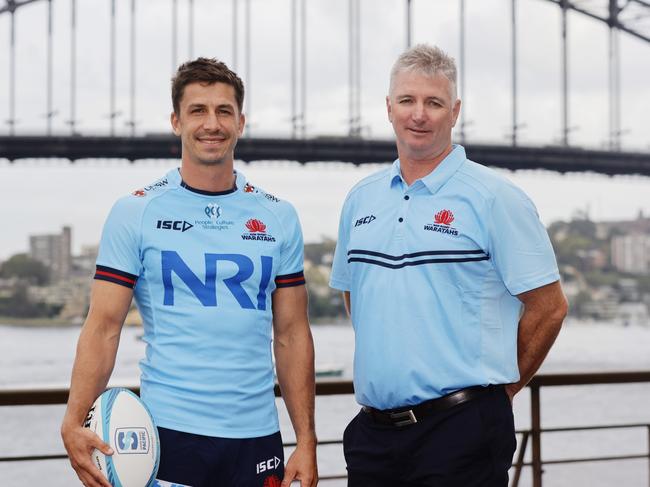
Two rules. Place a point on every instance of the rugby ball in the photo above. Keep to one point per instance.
(122, 420)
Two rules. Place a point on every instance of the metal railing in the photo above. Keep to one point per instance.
(536, 430)
(532, 436)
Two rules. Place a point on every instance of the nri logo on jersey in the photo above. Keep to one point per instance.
(238, 267)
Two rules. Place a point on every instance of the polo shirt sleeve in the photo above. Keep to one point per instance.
(118, 259)
(340, 276)
(290, 271)
(519, 244)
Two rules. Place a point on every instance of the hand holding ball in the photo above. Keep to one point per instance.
(121, 419)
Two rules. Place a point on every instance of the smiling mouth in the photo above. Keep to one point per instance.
(416, 131)
(211, 140)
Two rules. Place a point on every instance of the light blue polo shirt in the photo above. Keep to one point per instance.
(433, 271)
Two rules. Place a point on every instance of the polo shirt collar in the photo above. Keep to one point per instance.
(440, 175)
(395, 173)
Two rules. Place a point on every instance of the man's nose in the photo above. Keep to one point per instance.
(211, 121)
(418, 112)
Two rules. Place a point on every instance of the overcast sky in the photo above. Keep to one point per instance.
(38, 197)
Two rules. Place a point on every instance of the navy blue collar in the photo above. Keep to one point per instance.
(208, 193)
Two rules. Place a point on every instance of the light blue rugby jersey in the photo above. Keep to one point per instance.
(433, 271)
(204, 266)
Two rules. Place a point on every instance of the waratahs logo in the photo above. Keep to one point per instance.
(257, 231)
(444, 217)
(255, 226)
(442, 223)
(132, 440)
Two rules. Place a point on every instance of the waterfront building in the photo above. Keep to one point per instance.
(55, 251)
(631, 253)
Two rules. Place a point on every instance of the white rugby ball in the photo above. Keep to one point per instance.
(122, 420)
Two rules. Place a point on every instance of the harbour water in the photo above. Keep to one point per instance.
(43, 356)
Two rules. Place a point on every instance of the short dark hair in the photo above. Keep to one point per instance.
(208, 71)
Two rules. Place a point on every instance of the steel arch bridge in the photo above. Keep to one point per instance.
(621, 17)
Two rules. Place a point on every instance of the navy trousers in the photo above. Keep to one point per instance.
(469, 445)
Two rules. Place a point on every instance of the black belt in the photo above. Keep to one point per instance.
(410, 415)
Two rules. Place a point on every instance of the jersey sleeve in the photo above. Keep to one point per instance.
(118, 260)
(290, 271)
(340, 276)
(519, 244)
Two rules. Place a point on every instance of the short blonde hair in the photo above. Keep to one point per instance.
(427, 60)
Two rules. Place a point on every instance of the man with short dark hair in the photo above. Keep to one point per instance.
(454, 294)
(216, 268)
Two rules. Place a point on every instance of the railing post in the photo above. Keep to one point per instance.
(520, 459)
(537, 433)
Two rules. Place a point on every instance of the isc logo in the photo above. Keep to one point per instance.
(174, 225)
(270, 464)
(206, 292)
(364, 220)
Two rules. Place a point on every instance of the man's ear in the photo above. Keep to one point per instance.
(389, 109)
(173, 118)
(456, 111)
(242, 123)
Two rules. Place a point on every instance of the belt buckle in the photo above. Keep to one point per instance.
(404, 418)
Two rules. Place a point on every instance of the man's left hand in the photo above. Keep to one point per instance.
(301, 466)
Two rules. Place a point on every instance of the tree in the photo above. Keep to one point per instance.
(20, 306)
(24, 267)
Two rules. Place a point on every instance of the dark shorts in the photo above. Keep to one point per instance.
(469, 445)
(193, 460)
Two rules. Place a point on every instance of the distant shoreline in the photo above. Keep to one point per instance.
(58, 322)
(37, 322)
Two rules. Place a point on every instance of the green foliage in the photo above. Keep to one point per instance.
(324, 302)
(20, 306)
(326, 307)
(24, 267)
(314, 252)
(597, 279)
(584, 228)
(576, 303)
(644, 284)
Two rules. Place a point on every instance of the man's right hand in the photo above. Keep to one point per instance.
(80, 442)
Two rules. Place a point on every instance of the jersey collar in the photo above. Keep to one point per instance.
(439, 176)
(174, 177)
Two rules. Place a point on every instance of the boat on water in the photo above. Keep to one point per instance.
(329, 370)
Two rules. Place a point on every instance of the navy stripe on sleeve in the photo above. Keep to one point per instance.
(103, 273)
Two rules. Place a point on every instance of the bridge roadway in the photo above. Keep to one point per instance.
(322, 149)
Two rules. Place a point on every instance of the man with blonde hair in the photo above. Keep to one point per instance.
(454, 293)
